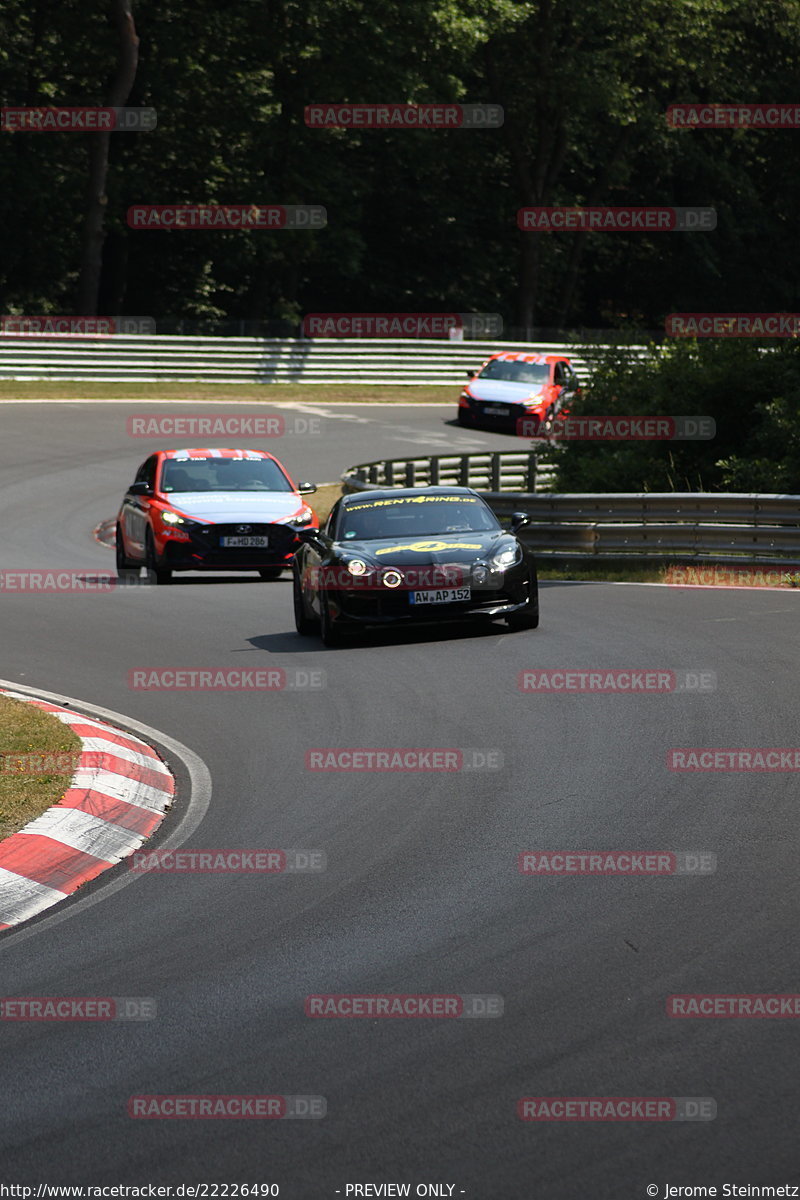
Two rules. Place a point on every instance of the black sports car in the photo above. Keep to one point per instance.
(412, 555)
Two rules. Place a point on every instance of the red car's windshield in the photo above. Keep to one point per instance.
(514, 371)
(223, 475)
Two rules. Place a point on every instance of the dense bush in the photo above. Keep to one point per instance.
(752, 393)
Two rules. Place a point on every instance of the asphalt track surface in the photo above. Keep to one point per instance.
(422, 892)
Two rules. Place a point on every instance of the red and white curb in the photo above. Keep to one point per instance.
(117, 797)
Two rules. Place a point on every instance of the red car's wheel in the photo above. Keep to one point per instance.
(156, 572)
(127, 569)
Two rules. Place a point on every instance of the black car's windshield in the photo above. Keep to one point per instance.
(414, 517)
(223, 475)
(514, 371)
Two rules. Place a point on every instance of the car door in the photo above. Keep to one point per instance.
(135, 508)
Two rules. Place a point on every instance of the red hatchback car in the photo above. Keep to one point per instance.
(211, 510)
(510, 386)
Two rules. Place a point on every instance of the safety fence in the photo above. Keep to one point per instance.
(722, 527)
(150, 359)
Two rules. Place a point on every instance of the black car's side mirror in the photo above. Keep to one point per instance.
(519, 520)
(471, 374)
(308, 536)
(305, 489)
(140, 488)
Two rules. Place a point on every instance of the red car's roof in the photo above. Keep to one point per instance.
(215, 453)
(518, 356)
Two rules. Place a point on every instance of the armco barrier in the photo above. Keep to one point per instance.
(146, 359)
(723, 527)
(494, 471)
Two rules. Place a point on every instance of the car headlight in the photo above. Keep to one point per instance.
(304, 517)
(507, 557)
(356, 566)
(172, 518)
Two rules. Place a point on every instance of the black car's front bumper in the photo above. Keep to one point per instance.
(204, 551)
(387, 606)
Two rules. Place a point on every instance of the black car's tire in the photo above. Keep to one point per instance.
(528, 617)
(270, 572)
(331, 635)
(464, 417)
(305, 626)
(156, 572)
(524, 619)
(127, 569)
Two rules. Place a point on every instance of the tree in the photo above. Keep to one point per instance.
(99, 144)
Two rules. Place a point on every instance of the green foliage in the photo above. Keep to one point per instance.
(752, 393)
(417, 219)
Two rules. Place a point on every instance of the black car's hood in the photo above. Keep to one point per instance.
(415, 552)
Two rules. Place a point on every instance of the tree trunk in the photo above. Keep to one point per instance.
(578, 246)
(529, 282)
(99, 145)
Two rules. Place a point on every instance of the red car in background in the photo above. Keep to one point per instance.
(512, 385)
(211, 510)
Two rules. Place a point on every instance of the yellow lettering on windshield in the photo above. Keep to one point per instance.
(431, 547)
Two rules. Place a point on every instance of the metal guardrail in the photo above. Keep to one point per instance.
(496, 471)
(722, 527)
(150, 359)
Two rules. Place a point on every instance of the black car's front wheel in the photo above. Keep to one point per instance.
(329, 632)
(524, 619)
(464, 416)
(527, 617)
(270, 573)
(156, 572)
(304, 625)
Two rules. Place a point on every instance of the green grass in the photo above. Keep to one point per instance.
(27, 731)
(324, 498)
(597, 573)
(266, 393)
